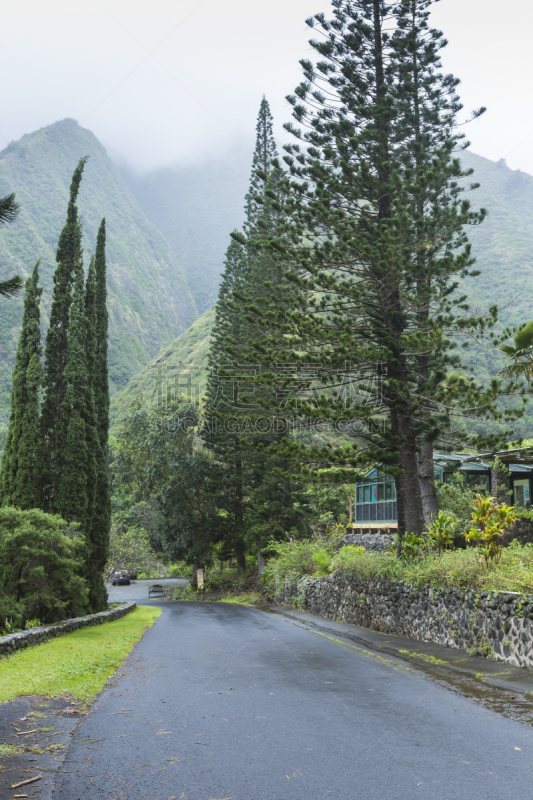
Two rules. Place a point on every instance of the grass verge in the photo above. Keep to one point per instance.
(77, 664)
(246, 599)
(242, 598)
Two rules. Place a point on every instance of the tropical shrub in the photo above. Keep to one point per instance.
(442, 531)
(40, 566)
(457, 500)
(293, 559)
(490, 522)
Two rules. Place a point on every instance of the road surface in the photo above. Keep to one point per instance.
(226, 702)
(138, 590)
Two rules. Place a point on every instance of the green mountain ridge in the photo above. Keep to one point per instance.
(502, 245)
(148, 297)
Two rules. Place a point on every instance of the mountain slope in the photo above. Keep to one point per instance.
(149, 300)
(503, 244)
(195, 208)
(503, 248)
(186, 356)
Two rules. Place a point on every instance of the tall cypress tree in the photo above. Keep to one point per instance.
(73, 498)
(53, 426)
(97, 317)
(19, 484)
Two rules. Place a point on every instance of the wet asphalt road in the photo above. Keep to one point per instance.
(138, 590)
(224, 702)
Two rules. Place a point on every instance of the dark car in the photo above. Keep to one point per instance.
(121, 580)
(133, 575)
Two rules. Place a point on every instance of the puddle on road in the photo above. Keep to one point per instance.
(509, 704)
(513, 706)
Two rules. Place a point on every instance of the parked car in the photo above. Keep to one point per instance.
(133, 575)
(121, 579)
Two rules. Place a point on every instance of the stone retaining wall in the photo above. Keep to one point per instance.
(495, 624)
(18, 641)
(522, 531)
(370, 541)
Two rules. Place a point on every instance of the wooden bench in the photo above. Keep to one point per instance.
(156, 590)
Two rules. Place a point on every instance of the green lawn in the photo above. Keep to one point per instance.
(77, 664)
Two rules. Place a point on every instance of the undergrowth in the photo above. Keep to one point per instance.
(455, 568)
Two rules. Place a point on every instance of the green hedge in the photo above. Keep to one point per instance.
(40, 563)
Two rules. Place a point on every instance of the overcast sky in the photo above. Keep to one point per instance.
(174, 81)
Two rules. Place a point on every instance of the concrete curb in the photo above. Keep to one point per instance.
(18, 641)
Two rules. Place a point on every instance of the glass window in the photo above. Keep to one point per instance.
(478, 482)
(374, 496)
(367, 494)
(521, 492)
(381, 491)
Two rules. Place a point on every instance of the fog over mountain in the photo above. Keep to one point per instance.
(196, 207)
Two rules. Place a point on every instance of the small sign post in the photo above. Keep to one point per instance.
(200, 578)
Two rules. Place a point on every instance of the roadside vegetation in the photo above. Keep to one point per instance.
(75, 665)
(455, 568)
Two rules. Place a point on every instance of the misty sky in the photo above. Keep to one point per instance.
(176, 81)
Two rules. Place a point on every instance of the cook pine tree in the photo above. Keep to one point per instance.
(372, 237)
(232, 390)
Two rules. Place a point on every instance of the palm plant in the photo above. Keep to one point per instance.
(9, 209)
(520, 354)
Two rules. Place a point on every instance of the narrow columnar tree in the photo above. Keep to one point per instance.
(53, 427)
(230, 348)
(95, 558)
(97, 317)
(19, 478)
(100, 380)
(73, 499)
(232, 392)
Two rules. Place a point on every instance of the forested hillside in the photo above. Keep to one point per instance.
(503, 244)
(189, 350)
(503, 248)
(195, 207)
(149, 300)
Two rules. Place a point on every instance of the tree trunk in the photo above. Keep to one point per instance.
(408, 494)
(241, 561)
(426, 473)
